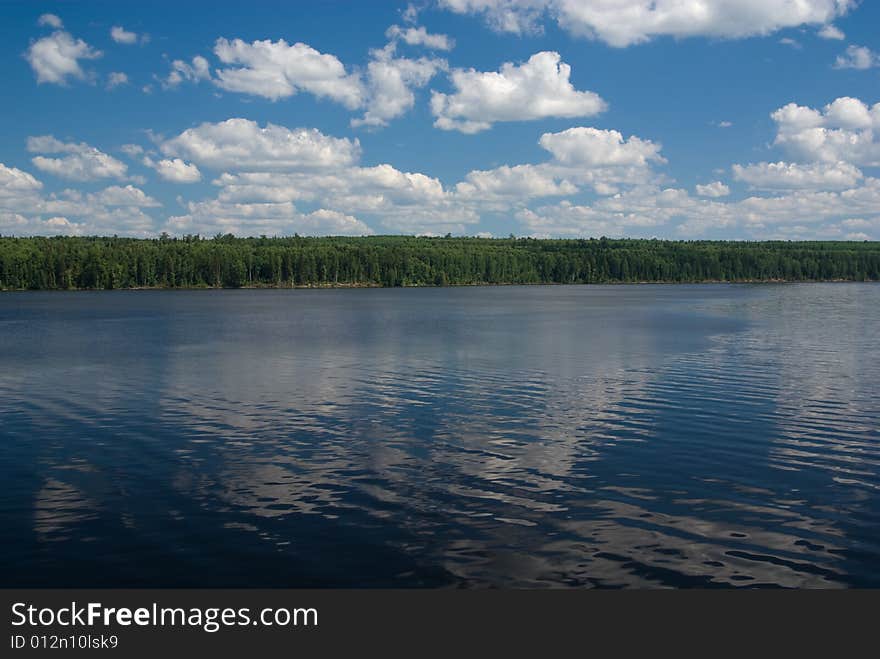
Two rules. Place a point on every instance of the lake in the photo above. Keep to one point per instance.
(537, 436)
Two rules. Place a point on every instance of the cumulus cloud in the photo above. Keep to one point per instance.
(831, 32)
(390, 84)
(56, 58)
(566, 219)
(419, 36)
(182, 71)
(82, 162)
(120, 35)
(843, 131)
(267, 169)
(10, 222)
(536, 89)
(132, 150)
(403, 201)
(638, 212)
(515, 16)
(582, 157)
(269, 172)
(511, 183)
(355, 189)
(801, 214)
(815, 199)
(16, 182)
(714, 189)
(626, 22)
(857, 57)
(25, 210)
(124, 196)
(116, 78)
(175, 170)
(50, 20)
(277, 180)
(207, 217)
(812, 176)
(241, 144)
(591, 147)
(276, 70)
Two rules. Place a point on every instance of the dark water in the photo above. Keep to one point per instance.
(635, 436)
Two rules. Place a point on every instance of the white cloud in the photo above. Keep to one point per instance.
(276, 180)
(124, 196)
(511, 183)
(25, 211)
(536, 89)
(591, 147)
(15, 182)
(120, 35)
(831, 32)
(419, 36)
(82, 162)
(567, 219)
(268, 169)
(211, 217)
(197, 71)
(843, 131)
(810, 207)
(792, 43)
(390, 81)
(132, 150)
(116, 78)
(642, 210)
(714, 189)
(638, 212)
(857, 57)
(50, 20)
(812, 176)
(61, 225)
(276, 69)
(411, 13)
(625, 22)
(12, 221)
(242, 145)
(55, 59)
(353, 189)
(582, 156)
(516, 16)
(175, 170)
(268, 181)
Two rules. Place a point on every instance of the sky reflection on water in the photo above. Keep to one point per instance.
(620, 436)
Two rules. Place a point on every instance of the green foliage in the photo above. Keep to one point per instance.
(226, 261)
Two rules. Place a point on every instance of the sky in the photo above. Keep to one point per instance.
(680, 119)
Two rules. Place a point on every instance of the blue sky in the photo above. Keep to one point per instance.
(675, 119)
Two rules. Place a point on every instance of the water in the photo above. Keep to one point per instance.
(620, 436)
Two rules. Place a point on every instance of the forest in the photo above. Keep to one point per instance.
(61, 263)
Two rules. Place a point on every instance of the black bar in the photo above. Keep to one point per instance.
(413, 623)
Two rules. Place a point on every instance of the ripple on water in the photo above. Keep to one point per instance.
(597, 437)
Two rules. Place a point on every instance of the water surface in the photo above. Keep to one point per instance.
(546, 436)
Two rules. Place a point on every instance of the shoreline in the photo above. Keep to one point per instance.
(364, 285)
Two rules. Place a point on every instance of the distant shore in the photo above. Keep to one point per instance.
(192, 262)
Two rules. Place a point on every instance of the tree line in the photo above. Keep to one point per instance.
(60, 263)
